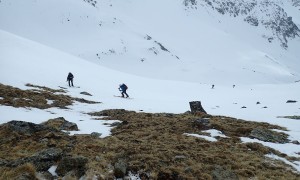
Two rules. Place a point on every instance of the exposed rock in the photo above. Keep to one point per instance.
(86, 93)
(3, 162)
(269, 136)
(115, 124)
(202, 123)
(168, 175)
(95, 134)
(81, 100)
(23, 127)
(221, 173)
(252, 20)
(42, 160)
(77, 164)
(291, 101)
(267, 14)
(120, 168)
(196, 107)
(61, 124)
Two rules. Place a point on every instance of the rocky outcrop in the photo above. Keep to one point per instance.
(268, 14)
(23, 127)
(196, 107)
(42, 160)
(120, 168)
(221, 173)
(74, 164)
(269, 136)
(61, 124)
(202, 123)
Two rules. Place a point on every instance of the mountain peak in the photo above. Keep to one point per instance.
(265, 13)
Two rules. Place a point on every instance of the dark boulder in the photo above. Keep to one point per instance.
(202, 123)
(86, 93)
(120, 168)
(196, 107)
(269, 136)
(77, 164)
(23, 127)
(61, 124)
(221, 173)
(42, 160)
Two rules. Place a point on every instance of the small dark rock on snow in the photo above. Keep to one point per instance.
(86, 93)
(291, 101)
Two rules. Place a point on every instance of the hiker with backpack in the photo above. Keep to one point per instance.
(70, 79)
(123, 88)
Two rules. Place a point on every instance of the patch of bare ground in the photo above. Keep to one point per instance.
(40, 97)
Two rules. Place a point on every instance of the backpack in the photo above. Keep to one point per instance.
(125, 87)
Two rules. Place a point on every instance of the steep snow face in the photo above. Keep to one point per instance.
(269, 14)
(168, 39)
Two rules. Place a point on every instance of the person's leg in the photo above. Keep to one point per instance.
(72, 82)
(69, 82)
(126, 94)
(122, 93)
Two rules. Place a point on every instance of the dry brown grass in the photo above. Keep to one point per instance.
(151, 142)
(37, 98)
(26, 171)
(154, 144)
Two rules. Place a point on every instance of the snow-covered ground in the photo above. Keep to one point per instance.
(40, 42)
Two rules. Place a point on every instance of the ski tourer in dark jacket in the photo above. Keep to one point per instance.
(70, 79)
(123, 88)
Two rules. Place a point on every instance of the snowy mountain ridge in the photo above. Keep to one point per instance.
(269, 14)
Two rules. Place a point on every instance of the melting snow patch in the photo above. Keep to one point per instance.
(212, 139)
(288, 148)
(213, 133)
(295, 164)
(49, 101)
(52, 170)
(134, 176)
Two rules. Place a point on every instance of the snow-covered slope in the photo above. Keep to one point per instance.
(188, 40)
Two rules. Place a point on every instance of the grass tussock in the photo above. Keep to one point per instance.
(26, 171)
